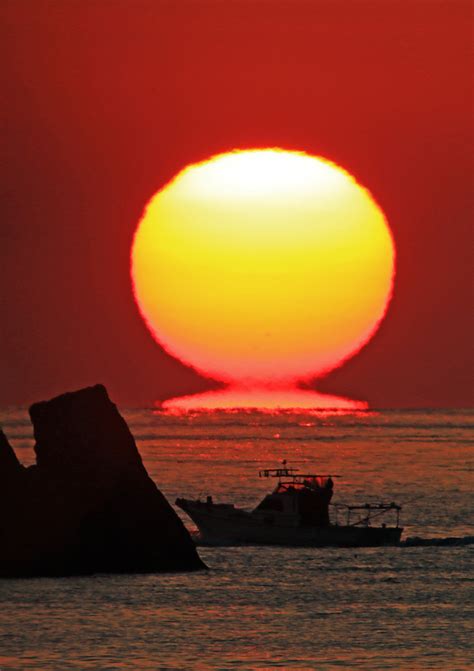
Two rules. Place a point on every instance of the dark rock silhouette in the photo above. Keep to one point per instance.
(88, 505)
(10, 467)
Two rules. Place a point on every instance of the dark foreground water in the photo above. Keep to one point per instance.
(408, 607)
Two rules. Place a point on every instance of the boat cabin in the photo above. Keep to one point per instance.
(306, 496)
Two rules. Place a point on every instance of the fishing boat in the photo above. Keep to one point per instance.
(295, 513)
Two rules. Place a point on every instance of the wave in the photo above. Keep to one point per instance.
(319, 425)
(305, 438)
(448, 541)
(415, 541)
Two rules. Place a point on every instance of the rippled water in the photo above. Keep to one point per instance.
(265, 608)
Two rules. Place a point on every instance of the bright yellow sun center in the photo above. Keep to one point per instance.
(263, 266)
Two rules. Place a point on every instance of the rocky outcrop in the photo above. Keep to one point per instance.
(88, 505)
(10, 467)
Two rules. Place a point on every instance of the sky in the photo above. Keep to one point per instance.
(104, 102)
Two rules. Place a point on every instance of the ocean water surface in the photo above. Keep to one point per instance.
(260, 608)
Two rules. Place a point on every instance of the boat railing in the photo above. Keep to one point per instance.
(277, 472)
(293, 475)
(371, 510)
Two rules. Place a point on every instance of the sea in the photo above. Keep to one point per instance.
(260, 608)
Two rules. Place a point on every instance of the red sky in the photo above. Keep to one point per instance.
(105, 101)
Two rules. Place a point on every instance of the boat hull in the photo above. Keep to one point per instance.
(226, 525)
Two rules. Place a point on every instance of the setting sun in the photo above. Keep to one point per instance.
(263, 268)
